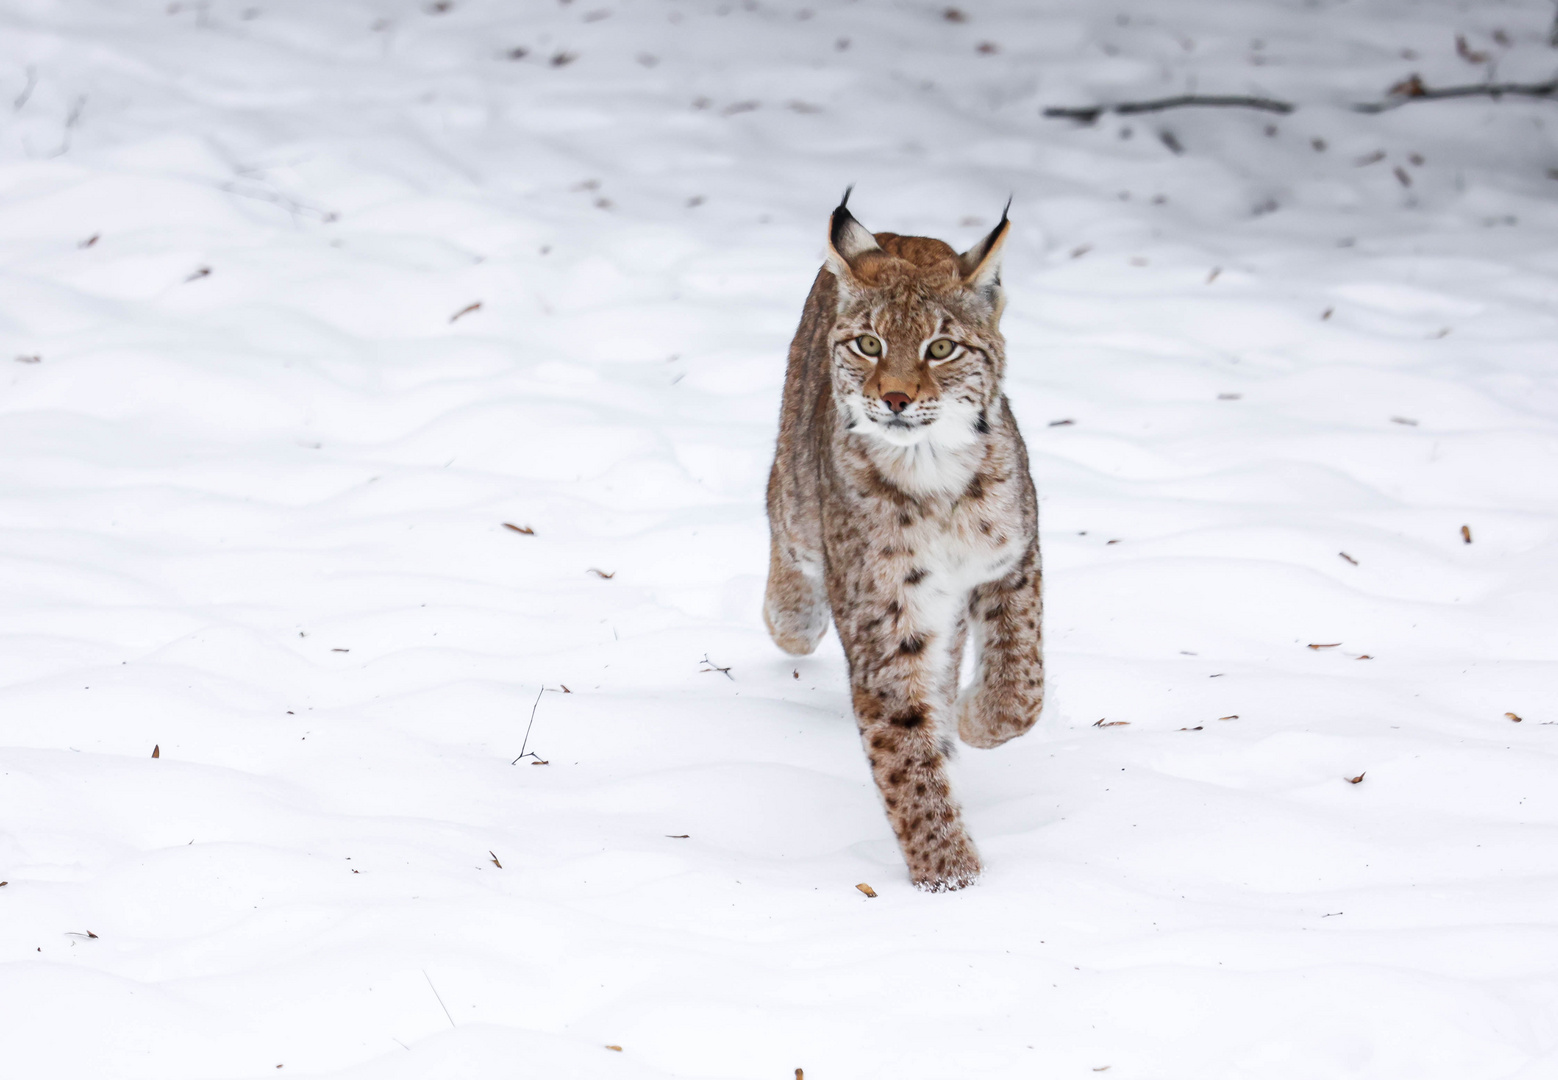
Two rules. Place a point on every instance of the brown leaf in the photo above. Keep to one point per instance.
(3, 884)
(1348, 557)
(601, 573)
(204, 271)
(1467, 53)
(1327, 313)
(495, 861)
(1330, 645)
(1513, 717)
(539, 761)
(868, 890)
(1466, 534)
(156, 751)
(1364, 656)
(1235, 716)
(1102, 722)
(952, 14)
(1355, 779)
(466, 310)
(613, 1046)
(800, 1074)
(1196, 728)
(1411, 86)
(676, 836)
(523, 530)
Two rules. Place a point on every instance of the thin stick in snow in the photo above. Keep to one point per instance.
(439, 996)
(1088, 113)
(1412, 88)
(522, 754)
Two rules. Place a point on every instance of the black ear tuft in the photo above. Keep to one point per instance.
(847, 238)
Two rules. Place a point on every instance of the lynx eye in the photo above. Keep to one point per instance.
(869, 344)
(940, 349)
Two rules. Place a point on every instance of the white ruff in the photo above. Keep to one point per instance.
(938, 458)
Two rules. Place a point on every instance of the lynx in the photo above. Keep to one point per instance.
(900, 505)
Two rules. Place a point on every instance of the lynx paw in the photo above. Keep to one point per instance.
(984, 727)
(953, 867)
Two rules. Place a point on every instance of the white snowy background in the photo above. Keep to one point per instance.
(256, 475)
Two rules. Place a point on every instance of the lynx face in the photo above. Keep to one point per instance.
(917, 369)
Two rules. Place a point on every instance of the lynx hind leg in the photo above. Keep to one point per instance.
(1008, 689)
(795, 604)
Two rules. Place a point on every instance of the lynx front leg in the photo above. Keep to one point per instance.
(896, 705)
(1008, 689)
(795, 604)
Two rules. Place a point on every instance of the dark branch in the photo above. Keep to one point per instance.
(1412, 89)
(1088, 114)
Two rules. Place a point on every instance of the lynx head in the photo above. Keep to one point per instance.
(917, 347)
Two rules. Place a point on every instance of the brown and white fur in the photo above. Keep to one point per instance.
(900, 503)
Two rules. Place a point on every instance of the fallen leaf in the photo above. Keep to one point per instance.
(523, 530)
(156, 751)
(1411, 86)
(1403, 176)
(1102, 722)
(1061, 423)
(601, 573)
(1513, 717)
(868, 890)
(1364, 656)
(1235, 716)
(1348, 557)
(1331, 645)
(539, 761)
(952, 14)
(466, 310)
(1467, 53)
(611, 1046)
(3, 884)
(676, 836)
(1327, 313)
(1355, 779)
(563, 59)
(1466, 534)
(1197, 728)
(204, 271)
(800, 1074)
(495, 861)
(89, 241)
(987, 48)
(340, 650)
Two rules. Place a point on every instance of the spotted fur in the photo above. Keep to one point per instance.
(914, 526)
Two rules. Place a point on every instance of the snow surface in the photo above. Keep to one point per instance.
(255, 487)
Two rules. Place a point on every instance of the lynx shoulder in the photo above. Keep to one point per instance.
(900, 506)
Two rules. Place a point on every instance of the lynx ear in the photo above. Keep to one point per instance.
(981, 264)
(851, 247)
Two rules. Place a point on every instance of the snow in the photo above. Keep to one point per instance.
(255, 518)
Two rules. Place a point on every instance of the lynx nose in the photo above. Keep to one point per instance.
(896, 401)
